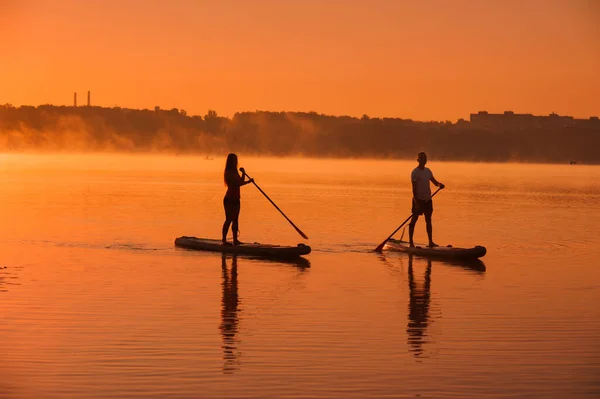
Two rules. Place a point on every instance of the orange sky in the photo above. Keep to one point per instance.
(426, 60)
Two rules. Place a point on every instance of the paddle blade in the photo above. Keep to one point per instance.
(296, 228)
(380, 247)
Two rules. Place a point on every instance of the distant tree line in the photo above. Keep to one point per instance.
(63, 128)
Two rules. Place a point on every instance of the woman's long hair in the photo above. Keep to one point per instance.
(231, 165)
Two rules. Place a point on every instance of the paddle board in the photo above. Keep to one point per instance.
(255, 249)
(447, 252)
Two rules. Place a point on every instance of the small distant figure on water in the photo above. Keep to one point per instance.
(422, 204)
(231, 202)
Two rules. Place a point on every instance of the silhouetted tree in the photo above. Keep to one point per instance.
(290, 133)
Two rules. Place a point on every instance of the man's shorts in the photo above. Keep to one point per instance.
(424, 207)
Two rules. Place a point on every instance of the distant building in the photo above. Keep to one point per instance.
(75, 99)
(558, 120)
(511, 121)
(592, 122)
(89, 102)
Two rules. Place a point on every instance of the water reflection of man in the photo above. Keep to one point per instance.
(3, 282)
(418, 308)
(229, 314)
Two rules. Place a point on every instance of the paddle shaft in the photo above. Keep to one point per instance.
(275, 205)
(380, 247)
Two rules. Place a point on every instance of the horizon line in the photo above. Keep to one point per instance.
(505, 112)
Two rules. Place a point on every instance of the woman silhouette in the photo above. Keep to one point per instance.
(231, 202)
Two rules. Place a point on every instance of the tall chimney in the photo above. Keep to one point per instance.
(89, 98)
(75, 99)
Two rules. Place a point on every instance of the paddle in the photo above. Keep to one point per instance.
(380, 247)
(271, 201)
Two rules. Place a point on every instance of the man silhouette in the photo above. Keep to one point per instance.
(422, 203)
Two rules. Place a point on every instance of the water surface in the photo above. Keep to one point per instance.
(96, 302)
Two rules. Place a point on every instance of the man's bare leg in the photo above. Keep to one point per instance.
(430, 230)
(411, 229)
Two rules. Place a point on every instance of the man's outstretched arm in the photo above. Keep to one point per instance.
(436, 183)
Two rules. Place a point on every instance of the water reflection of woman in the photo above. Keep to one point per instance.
(229, 314)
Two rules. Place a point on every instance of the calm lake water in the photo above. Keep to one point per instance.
(96, 302)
